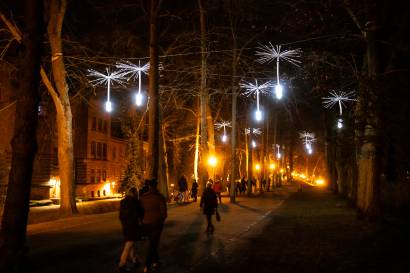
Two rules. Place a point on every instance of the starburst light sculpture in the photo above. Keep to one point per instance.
(134, 71)
(116, 77)
(268, 53)
(338, 98)
(255, 131)
(308, 139)
(223, 124)
(256, 89)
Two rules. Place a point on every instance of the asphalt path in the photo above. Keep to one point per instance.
(285, 231)
(92, 243)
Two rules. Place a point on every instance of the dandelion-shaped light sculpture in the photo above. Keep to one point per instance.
(268, 53)
(339, 99)
(255, 131)
(134, 71)
(116, 77)
(308, 139)
(278, 154)
(223, 124)
(255, 89)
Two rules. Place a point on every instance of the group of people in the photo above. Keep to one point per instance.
(142, 216)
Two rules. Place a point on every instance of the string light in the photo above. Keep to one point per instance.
(338, 98)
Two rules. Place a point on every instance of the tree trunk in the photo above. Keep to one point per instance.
(154, 100)
(61, 101)
(369, 158)
(164, 169)
(14, 222)
(233, 122)
(203, 99)
(197, 137)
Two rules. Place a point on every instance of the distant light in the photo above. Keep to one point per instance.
(278, 91)
(278, 155)
(272, 166)
(282, 170)
(339, 123)
(253, 143)
(310, 151)
(212, 161)
(108, 106)
(139, 99)
(257, 167)
(224, 138)
(308, 146)
(258, 115)
(320, 182)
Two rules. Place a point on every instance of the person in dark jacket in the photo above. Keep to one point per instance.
(155, 213)
(194, 190)
(209, 204)
(131, 213)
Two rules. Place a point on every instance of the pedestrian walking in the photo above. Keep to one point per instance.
(194, 190)
(155, 213)
(217, 187)
(131, 214)
(209, 205)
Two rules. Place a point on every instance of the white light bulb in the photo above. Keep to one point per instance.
(138, 99)
(278, 91)
(258, 115)
(253, 143)
(108, 106)
(340, 123)
(224, 138)
(278, 155)
(310, 151)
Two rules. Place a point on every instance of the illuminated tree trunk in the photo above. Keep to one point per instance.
(210, 128)
(60, 96)
(203, 99)
(14, 221)
(154, 100)
(197, 137)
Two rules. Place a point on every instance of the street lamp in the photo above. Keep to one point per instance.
(212, 161)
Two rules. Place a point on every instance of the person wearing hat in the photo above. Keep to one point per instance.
(209, 204)
(155, 213)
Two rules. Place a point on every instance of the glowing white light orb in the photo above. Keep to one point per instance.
(258, 115)
(308, 146)
(108, 106)
(310, 151)
(278, 155)
(253, 143)
(224, 138)
(339, 123)
(278, 91)
(139, 99)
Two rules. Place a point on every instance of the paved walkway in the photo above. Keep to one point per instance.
(283, 231)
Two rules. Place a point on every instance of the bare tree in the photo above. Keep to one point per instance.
(14, 222)
(59, 92)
